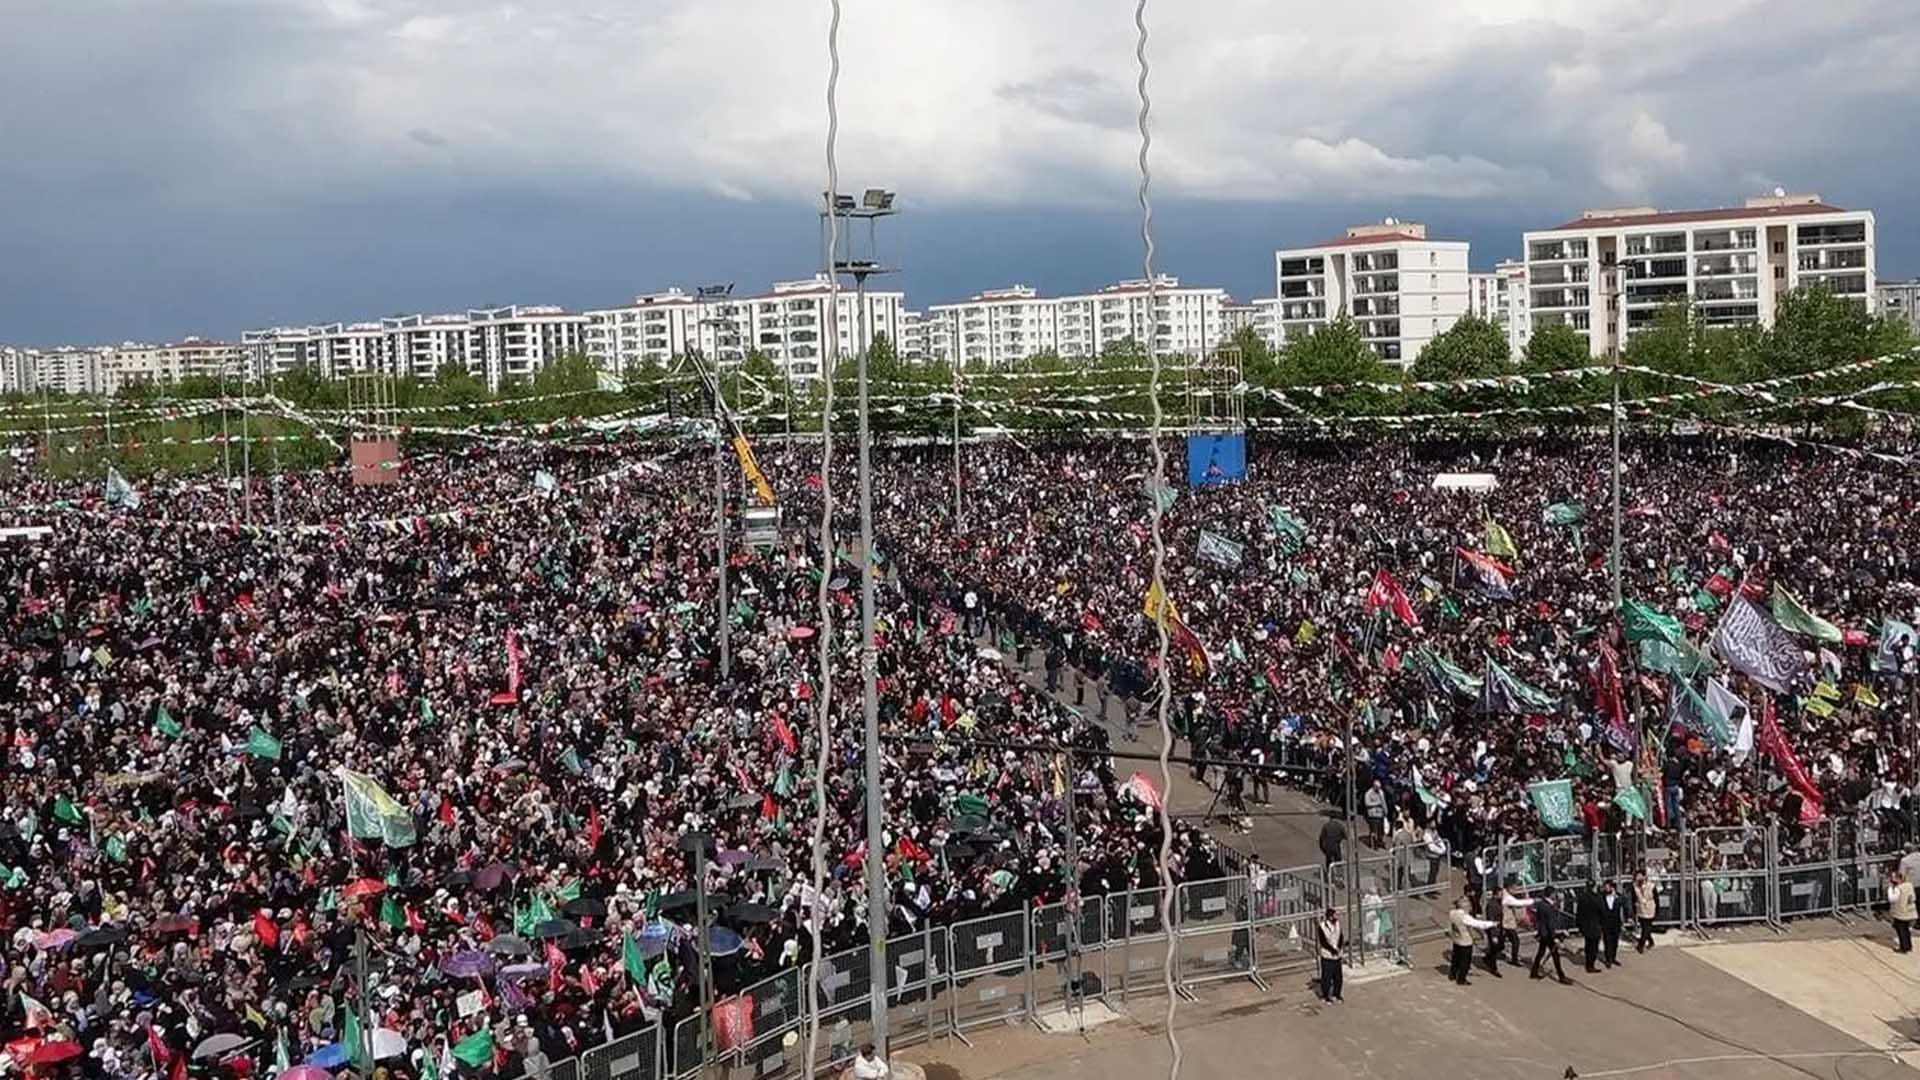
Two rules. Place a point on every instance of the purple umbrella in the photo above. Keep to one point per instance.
(733, 857)
(305, 1072)
(466, 965)
(522, 971)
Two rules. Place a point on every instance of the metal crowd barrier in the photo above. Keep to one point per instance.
(1257, 925)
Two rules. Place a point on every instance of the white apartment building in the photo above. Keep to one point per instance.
(1608, 273)
(1399, 287)
(511, 344)
(1510, 305)
(351, 348)
(16, 370)
(1260, 316)
(1004, 327)
(913, 335)
(1900, 300)
(167, 364)
(418, 345)
(280, 349)
(1481, 289)
(786, 325)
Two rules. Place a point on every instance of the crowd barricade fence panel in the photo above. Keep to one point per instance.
(988, 963)
(1730, 871)
(1805, 871)
(1135, 931)
(1059, 958)
(1215, 932)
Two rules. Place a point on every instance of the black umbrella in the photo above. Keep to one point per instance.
(677, 901)
(554, 928)
(306, 982)
(764, 864)
(104, 937)
(579, 938)
(743, 802)
(750, 913)
(588, 906)
(458, 879)
(509, 945)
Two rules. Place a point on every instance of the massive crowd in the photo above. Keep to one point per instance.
(533, 676)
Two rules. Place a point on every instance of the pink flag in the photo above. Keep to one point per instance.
(1143, 789)
(512, 693)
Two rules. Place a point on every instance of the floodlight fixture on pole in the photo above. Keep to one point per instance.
(711, 376)
(873, 205)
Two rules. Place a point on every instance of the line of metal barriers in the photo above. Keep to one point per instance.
(1258, 925)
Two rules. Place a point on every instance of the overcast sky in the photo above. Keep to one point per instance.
(203, 166)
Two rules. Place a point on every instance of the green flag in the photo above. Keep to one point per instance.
(1790, 613)
(1499, 542)
(66, 811)
(116, 848)
(351, 1038)
(372, 814)
(1445, 674)
(1633, 801)
(569, 891)
(166, 724)
(1705, 602)
(634, 959)
(1292, 534)
(391, 914)
(970, 804)
(1683, 659)
(660, 982)
(426, 711)
(783, 783)
(571, 759)
(476, 1049)
(1553, 800)
(1695, 711)
(1645, 624)
(1566, 513)
(1449, 609)
(262, 745)
(651, 908)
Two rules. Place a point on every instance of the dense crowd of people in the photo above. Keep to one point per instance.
(516, 644)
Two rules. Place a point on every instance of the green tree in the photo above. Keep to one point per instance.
(566, 374)
(1814, 329)
(1259, 362)
(1556, 347)
(1470, 348)
(453, 384)
(1334, 353)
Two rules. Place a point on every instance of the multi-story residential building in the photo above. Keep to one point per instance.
(1399, 287)
(1900, 300)
(1608, 273)
(419, 345)
(1003, 327)
(16, 370)
(913, 336)
(785, 324)
(1481, 290)
(1510, 305)
(351, 348)
(165, 365)
(280, 349)
(1260, 316)
(511, 344)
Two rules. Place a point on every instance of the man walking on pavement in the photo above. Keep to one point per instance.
(1612, 915)
(1508, 933)
(1546, 928)
(1900, 909)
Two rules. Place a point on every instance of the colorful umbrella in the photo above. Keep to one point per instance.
(54, 939)
(55, 1052)
(466, 965)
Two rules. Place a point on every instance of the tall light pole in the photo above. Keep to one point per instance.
(873, 205)
(723, 628)
(1621, 271)
(699, 844)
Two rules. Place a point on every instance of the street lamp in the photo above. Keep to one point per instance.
(873, 205)
(700, 845)
(702, 296)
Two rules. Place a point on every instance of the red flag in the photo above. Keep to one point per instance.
(512, 692)
(1143, 789)
(1387, 593)
(446, 811)
(1717, 541)
(179, 1068)
(593, 830)
(785, 734)
(1607, 700)
(266, 929)
(948, 712)
(1090, 622)
(1719, 586)
(1770, 740)
(733, 1022)
(768, 808)
(158, 1048)
(414, 922)
(1391, 658)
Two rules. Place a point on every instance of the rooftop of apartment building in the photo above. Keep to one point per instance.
(1779, 204)
(1388, 231)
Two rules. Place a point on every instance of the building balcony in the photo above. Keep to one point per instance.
(1854, 232)
(1557, 251)
(1837, 258)
(1547, 299)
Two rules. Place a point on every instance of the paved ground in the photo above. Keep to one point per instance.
(1674, 1013)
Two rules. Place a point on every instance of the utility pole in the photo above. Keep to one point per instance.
(956, 445)
(723, 628)
(874, 204)
(1617, 568)
(697, 843)
(1351, 872)
(363, 1053)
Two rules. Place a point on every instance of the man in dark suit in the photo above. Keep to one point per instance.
(1613, 908)
(1546, 926)
(1587, 913)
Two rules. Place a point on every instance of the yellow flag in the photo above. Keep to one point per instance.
(1499, 542)
(1307, 632)
(1820, 706)
(1865, 696)
(1825, 689)
(1159, 606)
(752, 468)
